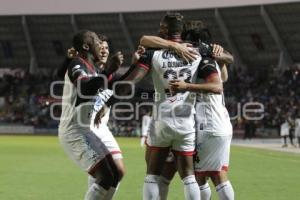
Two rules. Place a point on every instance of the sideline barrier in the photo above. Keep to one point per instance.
(16, 129)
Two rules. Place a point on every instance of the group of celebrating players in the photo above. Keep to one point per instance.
(189, 131)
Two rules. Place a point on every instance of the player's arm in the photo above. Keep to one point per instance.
(114, 63)
(224, 73)
(208, 72)
(221, 55)
(87, 85)
(135, 58)
(213, 84)
(182, 50)
(72, 53)
(223, 58)
(136, 73)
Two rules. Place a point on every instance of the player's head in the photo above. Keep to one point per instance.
(87, 42)
(196, 31)
(170, 25)
(104, 51)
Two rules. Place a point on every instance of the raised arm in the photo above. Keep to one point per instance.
(223, 58)
(213, 84)
(208, 72)
(224, 73)
(136, 73)
(183, 50)
(221, 55)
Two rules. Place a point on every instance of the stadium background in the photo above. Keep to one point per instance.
(263, 35)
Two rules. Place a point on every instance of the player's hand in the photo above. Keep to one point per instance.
(72, 53)
(185, 51)
(100, 114)
(115, 62)
(217, 50)
(143, 139)
(177, 86)
(137, 54)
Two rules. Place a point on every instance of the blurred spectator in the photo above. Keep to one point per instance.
(278, 92)
(250, 129)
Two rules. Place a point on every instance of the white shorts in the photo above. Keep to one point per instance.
(212, 154)
(85, 148)
(162, 136)
(108, 139)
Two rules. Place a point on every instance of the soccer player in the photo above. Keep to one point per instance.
(101, 130)
(213, 126)
(297, 130)
(196, 30)
(285, 132)
(172, 126)
(82, 84)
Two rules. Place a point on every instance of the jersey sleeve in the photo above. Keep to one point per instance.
(205, 50)
(146, 60)
(89, 85)
(77, 71)
(207, 68)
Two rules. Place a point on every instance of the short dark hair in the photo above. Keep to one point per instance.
(81, 37)
(174, 22)
(103, 37)
(195, 30)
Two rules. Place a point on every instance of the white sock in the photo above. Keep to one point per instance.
(191, 188)
(205, 192)
(110, 193)
(95, 192)
(163, 188)
(151, 187)
(225, 191)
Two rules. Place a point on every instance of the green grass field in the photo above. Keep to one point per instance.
(36, 168)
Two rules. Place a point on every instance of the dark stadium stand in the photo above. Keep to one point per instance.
(246, 26)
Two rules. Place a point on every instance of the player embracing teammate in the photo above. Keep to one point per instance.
(85, 92)
(213, 127)
(181, 76)
(172, 128)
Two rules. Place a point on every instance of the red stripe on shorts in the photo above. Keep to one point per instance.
(115, 152)
(155, 148)
(212, 173)
(184, 153)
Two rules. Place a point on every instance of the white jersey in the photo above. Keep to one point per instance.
(78, 106)
(211, 114)
(81, 98)
(145, 125)
(284, 129)
(75, 110)
(166, 65)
